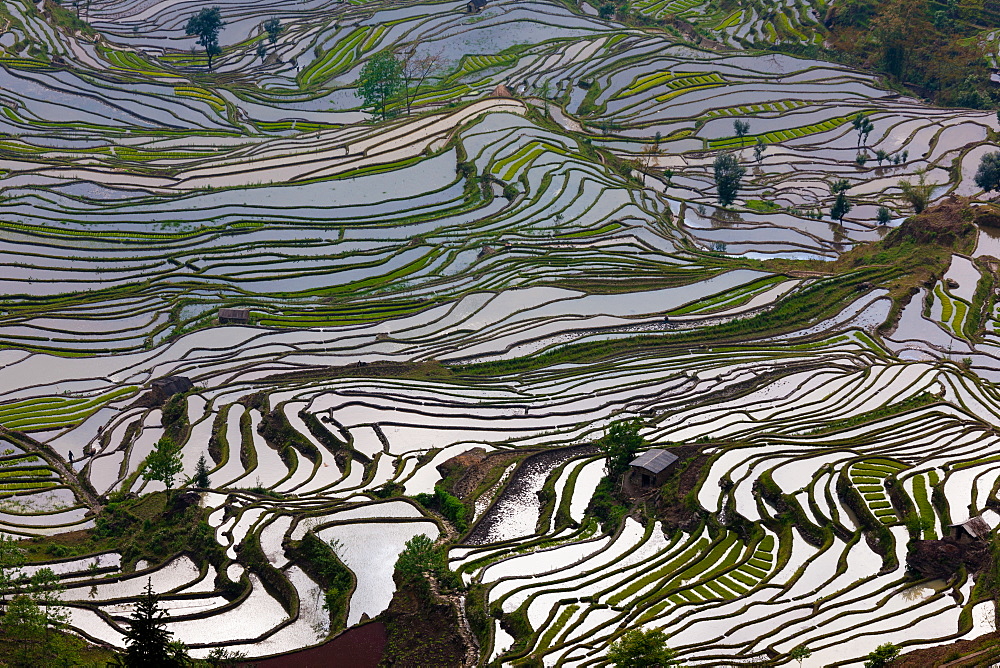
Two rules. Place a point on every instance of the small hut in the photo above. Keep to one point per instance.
(648, 470)
(974, 528)
(234, 316)
(164, 388)
(474, 6)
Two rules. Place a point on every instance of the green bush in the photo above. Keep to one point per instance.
(450, 506)
(605, 506)
(335, 578)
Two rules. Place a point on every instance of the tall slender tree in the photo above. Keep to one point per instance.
(273, 28)
(758, 150)
(201, 479)
(415, 70)
(728, 175)
(206, 25)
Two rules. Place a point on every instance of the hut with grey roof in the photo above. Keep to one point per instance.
(234, 316)
(649, 470)
(974, 528)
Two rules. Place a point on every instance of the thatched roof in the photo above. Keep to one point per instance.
(501, 91)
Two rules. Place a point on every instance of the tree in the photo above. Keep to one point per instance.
(273, 28)
(988, 174)
(28, 621)
(23, 625)
(147, 640)
(881, 656)
(741, 128)
(881, 155)
(642, 649)
(863, 125)
(44, 587)
(883, 215)
(800, 653)
(758, 150)
(206, 24)
(917, 195)
(621, 443)
(11, 562)
(841, 205)
(381, 80)
(419, 556)
(201, 479)
(728, 174)
(651, 154)
(163, 463)
(607, 11)
(415, 70)
(221, 657)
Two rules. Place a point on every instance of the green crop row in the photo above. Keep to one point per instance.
(778, 135)
(48, 412)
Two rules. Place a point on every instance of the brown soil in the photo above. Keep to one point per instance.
(360, 647)
(946, 224)
(942, 558)
(477, 466)
(982, 651)
(377, 369)
(420, 633)
(670, 505)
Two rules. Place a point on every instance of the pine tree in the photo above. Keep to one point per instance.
(201, 479)
(147, 641)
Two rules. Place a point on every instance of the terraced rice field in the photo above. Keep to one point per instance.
(505, 273)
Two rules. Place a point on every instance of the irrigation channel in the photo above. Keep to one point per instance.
(504, 271)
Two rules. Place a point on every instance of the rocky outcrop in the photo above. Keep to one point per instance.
(465, 460)
(943, 558)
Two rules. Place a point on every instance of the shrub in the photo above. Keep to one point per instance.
(450, 506)
(605, 507)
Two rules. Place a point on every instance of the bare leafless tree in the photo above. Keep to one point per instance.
(416, 70)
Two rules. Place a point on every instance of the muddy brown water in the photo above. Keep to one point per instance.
(360, 647)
